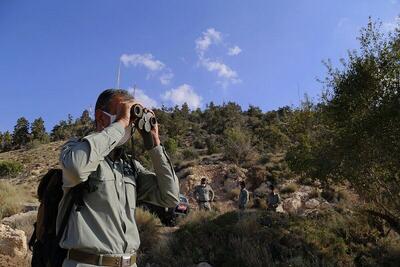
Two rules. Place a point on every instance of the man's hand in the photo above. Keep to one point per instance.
(154, 132)
(124, 112)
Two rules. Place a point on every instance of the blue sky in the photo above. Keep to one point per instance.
(57, 56)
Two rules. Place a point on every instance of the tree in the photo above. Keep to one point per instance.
(356, 135)
(7, 141)
(38, 130)
(21, 132)
(237, 146)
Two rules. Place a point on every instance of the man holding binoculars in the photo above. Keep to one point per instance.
(103, 232)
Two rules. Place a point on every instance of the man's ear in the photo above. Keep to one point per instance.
(99, 119)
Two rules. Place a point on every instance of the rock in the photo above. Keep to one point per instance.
(21, 220)
(312, 204)
(292, 204)
(280, 209)
(12, 243)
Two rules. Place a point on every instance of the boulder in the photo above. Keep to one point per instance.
(312, 204)
(292, 204)
(12, 243)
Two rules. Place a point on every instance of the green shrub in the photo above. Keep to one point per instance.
(10, 168)
(290, 188)
(171, 146)
(212, 145)
(189, 154)
(261, 238)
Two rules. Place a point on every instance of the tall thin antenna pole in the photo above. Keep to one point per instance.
(119, 74)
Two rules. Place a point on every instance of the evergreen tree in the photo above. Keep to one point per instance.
(38, 130)
(21, 132)
(7, 141)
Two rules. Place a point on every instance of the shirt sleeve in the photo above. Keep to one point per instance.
(79, 158)
(160, 187)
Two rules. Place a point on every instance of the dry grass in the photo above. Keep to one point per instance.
(11, 198)
(234, 194)
(149, 227)
(198, 216)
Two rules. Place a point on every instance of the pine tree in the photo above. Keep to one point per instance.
(7, 141)
(38, 130)
(21, 132)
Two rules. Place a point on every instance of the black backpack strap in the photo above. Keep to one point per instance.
(32, 240)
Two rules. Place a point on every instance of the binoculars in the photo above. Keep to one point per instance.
(144, 121)
(143, 118)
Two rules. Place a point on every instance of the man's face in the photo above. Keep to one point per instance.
(102, 119)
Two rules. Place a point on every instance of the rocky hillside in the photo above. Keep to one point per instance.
(300, 197)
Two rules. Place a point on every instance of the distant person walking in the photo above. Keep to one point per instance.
(243, 196)
(273, 199)
(204, 194)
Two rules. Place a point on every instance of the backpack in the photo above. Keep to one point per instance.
(44, 242)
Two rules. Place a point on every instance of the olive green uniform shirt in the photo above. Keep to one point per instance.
(203, 193)
(106, 223)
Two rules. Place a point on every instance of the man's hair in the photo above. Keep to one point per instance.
(242, 184)
(103, 101)
(203, 180)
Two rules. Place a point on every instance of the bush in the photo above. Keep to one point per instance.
(238, 148)
(171, 146)
(329, 195)
(149, 229)
(261, 238)
(256, 176)
(189, 154)
(234, 194)
(212, 145)
(290, 188)
(260, 203)
(313, 194)
(11, 199)
(10, 168)
(306, 181)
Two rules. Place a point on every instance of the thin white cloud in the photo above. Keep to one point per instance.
(225, 73)
(234, 51)
(222, 70)
(183, 94)
(145, 60)
(142, 98)
(209, 37)
(153, 65)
